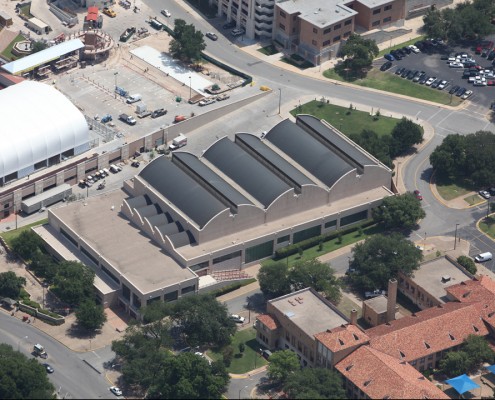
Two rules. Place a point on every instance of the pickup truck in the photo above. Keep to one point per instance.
(223, 96)
(127, 119)
(374, 293)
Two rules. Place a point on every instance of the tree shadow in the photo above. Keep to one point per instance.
(256, 303)
(426, 174)
(77, 331)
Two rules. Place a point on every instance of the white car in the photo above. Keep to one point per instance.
(442, 85)
(205, 102)
(466, 94)
(116, 391)
(237, 318)
(484, 194)
(414, 49)
(166, 13)
(430, 81)
(456, 64)
(479, 83)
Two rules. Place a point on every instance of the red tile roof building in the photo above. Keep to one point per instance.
(369, 373)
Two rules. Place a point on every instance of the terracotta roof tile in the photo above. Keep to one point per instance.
(473, 290)
(269, 321)
(342, 337)
(429, 331)
(381, 376)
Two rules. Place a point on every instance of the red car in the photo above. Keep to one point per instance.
(418, 195)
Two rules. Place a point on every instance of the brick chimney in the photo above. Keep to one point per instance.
(353, 317)
(391, 299)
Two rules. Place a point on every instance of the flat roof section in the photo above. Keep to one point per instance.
(282, 165)
(182, 190)
(211, 178)
(318, 12)
(125, 247)
(52, 53)
(334, 138)
(309, 312)
(429, 277)
(246, 171)
(308, 152)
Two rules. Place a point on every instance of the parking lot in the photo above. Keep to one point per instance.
(434, 66)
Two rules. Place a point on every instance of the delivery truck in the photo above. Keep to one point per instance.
(178, 142)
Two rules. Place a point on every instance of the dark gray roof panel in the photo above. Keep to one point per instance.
(336, 140)
(248, 173)
(273, 158)
(207, 175)
(178, 187)
(308, 152)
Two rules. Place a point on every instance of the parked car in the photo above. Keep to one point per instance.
(454, 89)
(116, 391)
(48, 368)
(420, 75)
(158, 113)
(456, 64)
(166, 13)
(179, 118)
(411, 74)
(238, 32)
(206, 101)
(460, 92)
(466, 94)
(400, 70)
(396, 54)
(384, 66)
(491, 55)
(108, 11)
(211, 36)
(229, 25)
(106, 118)
(404, 73)
(414, 49)
(389, 57)
(135, 164)
(406, 50)
(484, 194)
(418, 195)
(237, 318)
(423, 79)
(442, 85)
(431, 80)
(223, 96)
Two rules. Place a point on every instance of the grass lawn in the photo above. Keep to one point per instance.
(346, 305)
(250, 359)
(7, 53)
(354, 122)
(400, 46)
(388, 82)
(473, 199)
(10, 235)
(488, 226)
(269, 50)
(303, 65)
(329, 246)
(449, 189)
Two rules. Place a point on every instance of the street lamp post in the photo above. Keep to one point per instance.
(240, 390)
(190, 87)
(287, 259)
(455, 236)
(115, 90)
(279, 99)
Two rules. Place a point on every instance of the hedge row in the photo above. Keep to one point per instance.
(40, 310)
(232, 287)
(311, 242)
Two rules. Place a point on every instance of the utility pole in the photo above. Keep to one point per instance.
(455, 236)
(279, 99)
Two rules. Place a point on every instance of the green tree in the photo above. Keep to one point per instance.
(38, 46)
(27, 244)
(283, 364)
(400, 211)
(320, 276)
(74, 282)
(22, 377)
(11, 284)
(315, 383)
(187, 376)
(227, 355)
(478, 351)
(467, 263)
(188, 43)
(434, 23)
(375, 145)
(381, 257)
(44, 266)
(455, 363)
(90, 316)
(273, 279)
(358, 53)
(204, 320)
(405, 135)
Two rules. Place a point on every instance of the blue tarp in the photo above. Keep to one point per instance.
(462, 384)
(491, 368)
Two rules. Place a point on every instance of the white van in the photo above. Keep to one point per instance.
(114, 168)
(483, 257)
(134, 98)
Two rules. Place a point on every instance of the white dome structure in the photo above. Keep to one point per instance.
(38, 123)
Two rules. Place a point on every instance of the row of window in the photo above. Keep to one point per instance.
(379, 10)
(385, 20)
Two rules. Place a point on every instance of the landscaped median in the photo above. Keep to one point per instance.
(388, 82)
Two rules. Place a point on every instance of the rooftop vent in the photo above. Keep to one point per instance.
(349, 367)
(466, 294)
(427, 345)
(451, 336)
(356, 337)
(367, 382)
(402, 355)
(475, 329)
(341, 342)
(446, 278)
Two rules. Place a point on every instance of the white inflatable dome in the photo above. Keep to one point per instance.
(38, 122)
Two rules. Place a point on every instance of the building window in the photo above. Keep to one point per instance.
(338, 26)
(315, 30)
(348, 22)
(328, 30)
(422, 360)
(226, 257)
(188, 289)
(283, 239)
(136, 301)
(386, 8)
(126, 292)
(259, 251)
(106, 271)
(282, 14)
(388, 19)
(314, 43)
(326, 43)
(171, 296)
(281, 26)
(353, 218)
(377, 11)
(413, 362)
(376, 23)
(333, 223)
(347, 34)
(294, 17)
(307, 233)
(336, 38)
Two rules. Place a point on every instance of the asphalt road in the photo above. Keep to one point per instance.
(72, 378)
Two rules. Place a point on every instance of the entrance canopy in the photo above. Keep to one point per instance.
(462, 384)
